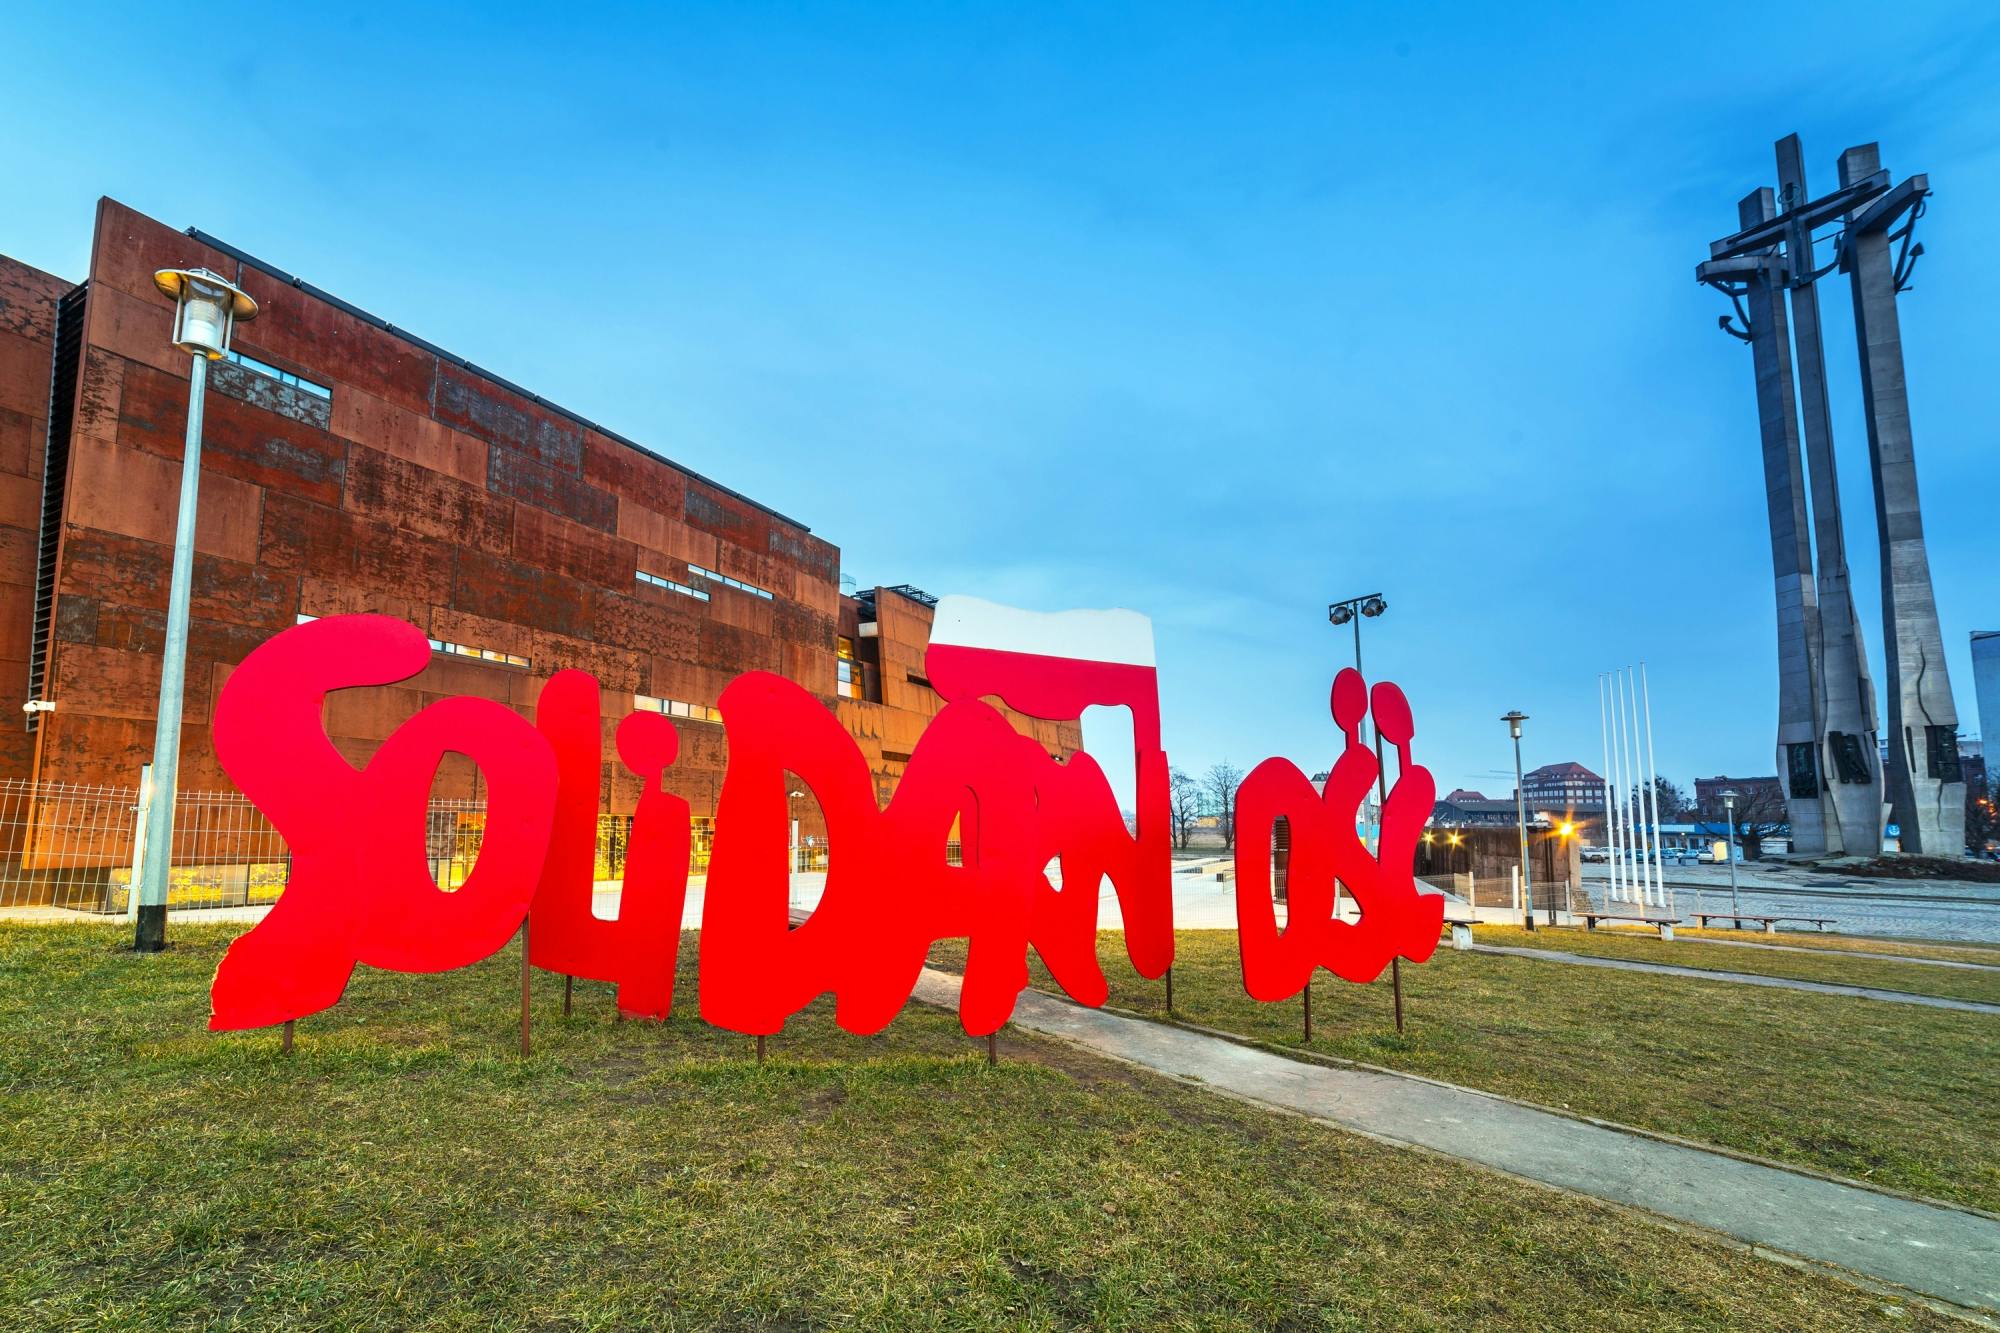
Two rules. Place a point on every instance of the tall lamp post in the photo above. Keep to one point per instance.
(1353, 611)
(1514, 720)
(207, 309)
(1729, 809)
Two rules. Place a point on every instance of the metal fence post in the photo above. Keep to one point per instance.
(138, 841)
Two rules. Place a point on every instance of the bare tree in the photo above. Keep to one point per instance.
(1674, 803)
(1183, 805)
(1760, 814)
(1218, 789)
(1982, 820)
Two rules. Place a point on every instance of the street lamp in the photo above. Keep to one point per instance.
(207, 309)
(1352, 611)
(1514, 720)
(1729, 809)
(792, 814)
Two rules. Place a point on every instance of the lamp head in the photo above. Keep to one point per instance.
(1514, 720)
(1373, 607)
(207, 309)
(1340, 613)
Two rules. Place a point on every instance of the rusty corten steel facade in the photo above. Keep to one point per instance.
(417, 487)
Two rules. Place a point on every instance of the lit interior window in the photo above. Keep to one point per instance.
(677, 708)
(477, 654)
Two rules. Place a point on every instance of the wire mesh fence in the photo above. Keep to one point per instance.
(75, 846)
(71, 846)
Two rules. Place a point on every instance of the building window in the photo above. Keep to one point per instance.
(672, 586)
(477, 654)
(458, 649)
(677, 708)
(711, 576)
(265, 368)
(847, 671)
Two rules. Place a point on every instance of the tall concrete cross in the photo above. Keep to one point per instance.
(1851, 773)
(1925, 784)
(1756, 279)
(1827, 747)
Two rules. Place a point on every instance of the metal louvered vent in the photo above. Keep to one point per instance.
(68, 364)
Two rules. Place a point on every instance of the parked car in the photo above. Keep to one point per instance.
(1595, 854)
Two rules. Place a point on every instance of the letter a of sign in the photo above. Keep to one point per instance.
(891, 889)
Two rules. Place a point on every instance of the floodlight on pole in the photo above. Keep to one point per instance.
(207, 309)
(1349, 612)
(1514, 719)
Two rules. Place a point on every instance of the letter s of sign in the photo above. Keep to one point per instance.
(1327, 849)
(361, 888)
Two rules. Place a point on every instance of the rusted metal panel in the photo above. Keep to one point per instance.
(399, 494)
(483, 409)
(261, 391)
(530, 481)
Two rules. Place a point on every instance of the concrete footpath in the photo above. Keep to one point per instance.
(1935, 1251)
(1740, 978)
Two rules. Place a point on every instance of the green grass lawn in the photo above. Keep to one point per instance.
(1694, 951)
(1901, 1096)
(405, 1169)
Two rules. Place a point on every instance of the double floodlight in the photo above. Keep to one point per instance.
(1340, 613)
(207, 309)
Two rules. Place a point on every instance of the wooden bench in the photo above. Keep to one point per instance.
(1770, 922)
(1665, 924)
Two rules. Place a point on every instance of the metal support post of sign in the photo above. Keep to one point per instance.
(1396, 979)
(992, 1050)
(568, 982)
(525, 989)
(1170, 990)
(285, 1048)
(1307, 995)
(760, 1048)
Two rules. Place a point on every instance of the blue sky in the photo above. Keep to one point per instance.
(1217, 313)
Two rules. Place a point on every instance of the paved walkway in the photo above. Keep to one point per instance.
(1740, 978)
(1936, 1251)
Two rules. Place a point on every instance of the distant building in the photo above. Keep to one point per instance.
(1972, 762)
(1567, 786)
(1459, 794)
(1452, 813)
(1986, 681)
(1751, 793)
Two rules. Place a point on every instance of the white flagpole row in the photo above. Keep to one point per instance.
(1610, 816)
(1634, 834)
(1647, 836)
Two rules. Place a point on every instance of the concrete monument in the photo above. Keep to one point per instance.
(1827, 719)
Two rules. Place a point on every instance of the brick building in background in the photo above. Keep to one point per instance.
(348, 466)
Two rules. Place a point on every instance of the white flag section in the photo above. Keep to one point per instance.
(1082, 636)
(1105, 658)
